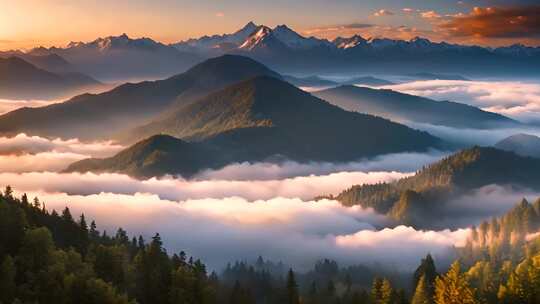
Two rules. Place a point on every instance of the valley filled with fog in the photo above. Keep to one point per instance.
(249, 209)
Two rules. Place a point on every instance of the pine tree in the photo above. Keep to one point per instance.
(427, 269)
(453, 288)
(8, 193)
(376, 294)
(422, 294)
(388, 295)
(292, 289)
(7, 280)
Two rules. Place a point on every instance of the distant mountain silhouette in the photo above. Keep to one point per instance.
(310, 81)
(45, 61)
(266, 117)
(522, 144)
(403, 107)
(368, 81)
(418, 200)
(121, 57)
(92, 116)
(20, 79)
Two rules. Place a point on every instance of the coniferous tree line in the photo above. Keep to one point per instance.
(51, 257)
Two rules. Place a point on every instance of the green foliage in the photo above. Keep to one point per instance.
(411, 200)
(453, 288)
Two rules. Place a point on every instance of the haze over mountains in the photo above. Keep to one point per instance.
(522, 144)
(20, 79)
(93, 116)
(120, 57)
(285, 50)
(281, 48)
(255, 120)
(409, 108)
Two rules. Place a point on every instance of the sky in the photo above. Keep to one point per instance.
(29, 23)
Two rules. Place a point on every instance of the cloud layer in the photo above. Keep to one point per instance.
(496, 22)
(303, 187)
(400, 162)
(293, 231)
(24, 153)
(516, 99)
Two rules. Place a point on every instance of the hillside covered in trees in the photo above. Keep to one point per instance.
(416, 199)
(47, 257)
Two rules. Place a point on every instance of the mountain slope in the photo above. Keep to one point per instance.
(154, 156)
(522, 144)
(265, 117)
(403, 107)
(103, 115)
(21, 80)
(434, 185)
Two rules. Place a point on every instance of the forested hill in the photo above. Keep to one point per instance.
(46, 257)
(415, 199)
(255, 120)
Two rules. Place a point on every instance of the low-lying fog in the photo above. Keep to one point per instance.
(250, 209)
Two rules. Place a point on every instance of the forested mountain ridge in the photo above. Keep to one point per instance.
(261, 118)
(104, 115)
(414, 200)
(409, 108)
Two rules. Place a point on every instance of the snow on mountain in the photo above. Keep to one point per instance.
(350, 42)
(294, 40)
(226, 41)
(259, 37)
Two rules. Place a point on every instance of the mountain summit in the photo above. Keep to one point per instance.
(92, 116)
(259, 119)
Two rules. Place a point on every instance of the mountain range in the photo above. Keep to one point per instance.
(120, 57)
(410, 108)
(288, 52)
(20, 79)
(420, 200)
(255, 120)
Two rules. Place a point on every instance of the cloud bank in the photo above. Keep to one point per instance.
(516, 99)
(303, 187)
(293, 231)
(24, 153)
(496, 22)
(397, 162)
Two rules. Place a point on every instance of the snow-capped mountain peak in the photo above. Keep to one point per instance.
(259, 36)
(347, 43)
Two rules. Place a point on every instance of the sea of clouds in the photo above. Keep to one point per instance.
(240, 211)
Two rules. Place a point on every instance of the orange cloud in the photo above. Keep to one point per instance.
(496, 22)
(430, 15)
(383, 12)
